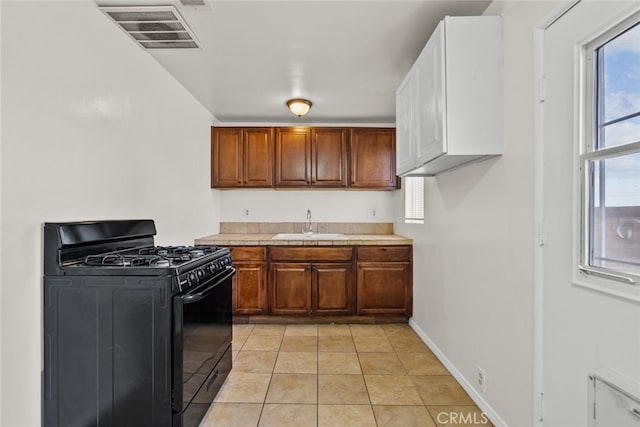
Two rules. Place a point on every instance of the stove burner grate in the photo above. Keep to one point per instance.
(155, 256)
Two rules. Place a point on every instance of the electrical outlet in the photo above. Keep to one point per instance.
(482, 379)
(245, 212)
(371, 212)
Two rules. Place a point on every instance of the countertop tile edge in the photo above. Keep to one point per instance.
(266, 240)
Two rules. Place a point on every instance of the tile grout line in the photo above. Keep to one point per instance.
(364, 380)
(264, 400)
(424, 405)
(396, 351)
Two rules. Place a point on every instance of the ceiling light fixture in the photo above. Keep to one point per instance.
(299, 106)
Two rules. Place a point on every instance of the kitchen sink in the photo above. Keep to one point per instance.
(313, 236)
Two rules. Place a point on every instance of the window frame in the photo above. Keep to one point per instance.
(593, 105)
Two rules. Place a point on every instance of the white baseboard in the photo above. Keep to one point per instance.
(475, 396)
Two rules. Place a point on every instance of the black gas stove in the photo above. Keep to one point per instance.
(134, 334)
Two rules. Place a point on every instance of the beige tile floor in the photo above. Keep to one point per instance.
(338, 375)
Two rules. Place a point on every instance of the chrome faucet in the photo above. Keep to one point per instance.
(309, 227)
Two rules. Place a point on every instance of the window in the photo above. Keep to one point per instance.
(414, 200)
(610, 158)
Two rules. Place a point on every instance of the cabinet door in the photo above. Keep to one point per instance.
(250, 288)
(373, 158)
(329, 157)
(331, 288)
(406, 125)
(290, 288)
(258, 157)
(226, 157)
(293, 157)
(384, 288)
(431, 108)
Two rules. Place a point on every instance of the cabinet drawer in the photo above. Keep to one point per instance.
(384, 253)
(248, 253)
(311, 254)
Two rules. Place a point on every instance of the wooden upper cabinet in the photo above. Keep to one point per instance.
(311, 157)
(226, 157)
(373, 158)
(303, 157)
(258, 157)
(241, 157)
(293, 157)
(329, 157)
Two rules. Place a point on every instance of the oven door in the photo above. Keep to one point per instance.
(201, 337)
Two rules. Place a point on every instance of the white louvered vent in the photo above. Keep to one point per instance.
(153, 27)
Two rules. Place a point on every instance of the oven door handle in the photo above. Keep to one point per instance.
(191, 298)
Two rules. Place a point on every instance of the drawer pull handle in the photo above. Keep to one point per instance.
(635, 412)
(212, 380)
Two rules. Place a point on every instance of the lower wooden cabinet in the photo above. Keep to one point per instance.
(322, 281)
(249, 294)
(290, 286)
(311, 280)
(384, 280)
(316, 289)
(331, 289)
(384, 288)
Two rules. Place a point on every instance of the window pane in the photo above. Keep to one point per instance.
(618, 89)
(621, 66)
(615, 213)
(624, 132)
(414, 199)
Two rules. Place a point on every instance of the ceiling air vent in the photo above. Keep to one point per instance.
(153, 27)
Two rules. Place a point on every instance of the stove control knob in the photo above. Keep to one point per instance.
(193, 278)
(211, 267)
(200, 274)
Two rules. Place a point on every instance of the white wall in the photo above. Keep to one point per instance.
(0, 223)
(292, 205)
(585, 328)
(92, 128)
(473, 257)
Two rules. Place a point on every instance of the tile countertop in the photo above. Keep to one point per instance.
(250, 239)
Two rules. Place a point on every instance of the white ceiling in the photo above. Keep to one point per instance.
(347, 57)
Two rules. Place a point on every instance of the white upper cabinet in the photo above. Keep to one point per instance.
(405, 124)
(449, 106)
